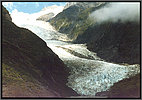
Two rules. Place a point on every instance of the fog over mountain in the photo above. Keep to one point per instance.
(117, 12)
(87, 49)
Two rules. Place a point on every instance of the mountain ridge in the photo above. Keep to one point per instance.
(116, 42)
(29, 67)
(82, 29)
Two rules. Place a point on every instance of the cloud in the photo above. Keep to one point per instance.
(117, 12)
(20, 18)
(8, 5)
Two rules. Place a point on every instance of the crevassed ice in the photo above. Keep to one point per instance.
(87, 76)
(98, 76)
(39, 28)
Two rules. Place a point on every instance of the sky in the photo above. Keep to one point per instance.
(30, 11)
(29, 7)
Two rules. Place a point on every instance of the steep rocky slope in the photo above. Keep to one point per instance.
(73, 20)
(45, 17)
(117, 42)
(127, 88)
(112, 41)
(29, 67)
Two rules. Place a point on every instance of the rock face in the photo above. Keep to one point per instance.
(112, 41)
(29, 67)
(5, 14)
(73, 19)
(116, 42)
(46, 17)
(83, 5)
(127, 88)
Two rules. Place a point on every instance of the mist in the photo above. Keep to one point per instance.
(25, 18)
(114, 12)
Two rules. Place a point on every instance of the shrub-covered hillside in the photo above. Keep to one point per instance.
(74, 19)
(117, 41)
(29, 67)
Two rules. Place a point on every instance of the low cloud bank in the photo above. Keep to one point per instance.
(114, 12)
(20, 18)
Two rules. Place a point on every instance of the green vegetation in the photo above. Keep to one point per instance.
(10, 75)
(73, 26)
(80, 28)
(115, 42)
(85, 13)
(27, 63)
(74, 20)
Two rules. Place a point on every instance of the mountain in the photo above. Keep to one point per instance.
(120, 89)
(45, 17)
(127, 88)
(83, 5)
(112, 41)
(29, 67)
(49, 12)
(73, 19)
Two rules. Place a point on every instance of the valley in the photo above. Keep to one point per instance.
(79, 49)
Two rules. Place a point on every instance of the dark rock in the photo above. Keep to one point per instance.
(116, 42)
(72, 17)
(5, 14)
(28, 61)
(112, 41)
(127, 88)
